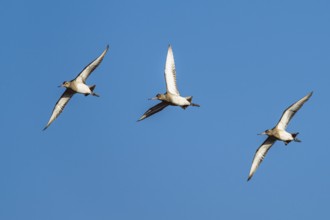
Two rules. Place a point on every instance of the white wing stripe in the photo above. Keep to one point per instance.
(291, 111)
(170, 73)
(260, 155)
(84, 74)
(60, 105)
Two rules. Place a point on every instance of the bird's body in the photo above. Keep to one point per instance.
(80, 87)
(77, 85)
(281, 135)
(178, 100)
(172, 95)
(175, 100)
(278, 133)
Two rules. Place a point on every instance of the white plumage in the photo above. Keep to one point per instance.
(77, 85)
(172, 95)
(278, 133)
(170, 73)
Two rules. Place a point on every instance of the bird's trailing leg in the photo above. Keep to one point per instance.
(191, 104)
(194, 104)
(189, 99)
(94, 94)
(295, 137)
(92, 91)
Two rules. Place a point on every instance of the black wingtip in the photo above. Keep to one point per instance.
(107, 48)
(250, 176)
(45, 128)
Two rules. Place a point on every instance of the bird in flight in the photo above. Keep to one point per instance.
(172, 95)
(278, 133)
(77, 85)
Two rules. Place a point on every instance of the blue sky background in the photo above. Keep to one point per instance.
(243, 61)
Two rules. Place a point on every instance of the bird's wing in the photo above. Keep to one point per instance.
(154, 109)
(60, 104)
(84, 74)
(291, 111)
(260, 155)
(170, 73)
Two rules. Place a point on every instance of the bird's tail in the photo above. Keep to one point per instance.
(92, 89)
(294, 135)
(189, 99)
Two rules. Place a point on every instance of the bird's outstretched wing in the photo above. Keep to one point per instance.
(154, 109)
(84, 74)
(60, 104)
(260, 155)
(291, 111)
(170, 73)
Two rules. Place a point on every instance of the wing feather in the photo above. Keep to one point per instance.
(59, 106)
(170, 73)
(154, 109)
(260, 155)
(84, 74)
(291, 111)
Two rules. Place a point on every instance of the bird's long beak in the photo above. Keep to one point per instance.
(60, 86)
(262, 133)
(154, 98)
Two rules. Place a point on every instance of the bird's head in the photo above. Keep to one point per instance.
(65, 84)
(158, 97)
(267, 132)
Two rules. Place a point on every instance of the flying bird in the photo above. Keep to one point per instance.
(278, 133)
(77, 85)
(172, 95)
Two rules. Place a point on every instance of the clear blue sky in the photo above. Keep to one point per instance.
(243, 61)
